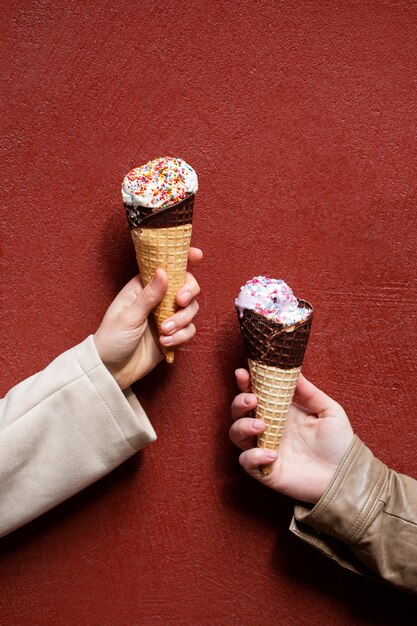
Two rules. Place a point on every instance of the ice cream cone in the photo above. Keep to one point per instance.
(275, 355)
(162, 240)
(159, 200)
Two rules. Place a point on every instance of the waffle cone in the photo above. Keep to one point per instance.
(167, 248)
(274, 389)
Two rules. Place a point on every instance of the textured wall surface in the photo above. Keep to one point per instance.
(300, 119)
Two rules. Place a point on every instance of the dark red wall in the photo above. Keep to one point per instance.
(300, 119)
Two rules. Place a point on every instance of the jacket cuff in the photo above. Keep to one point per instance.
(351, 499)
(124, 407)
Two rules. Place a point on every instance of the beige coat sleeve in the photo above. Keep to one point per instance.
(62, 429)
(366, 520)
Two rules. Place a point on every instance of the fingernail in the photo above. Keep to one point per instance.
(186, 295)
(167, 340)
(247, 399)
(256, 424)
(272, 456)
(168, 326)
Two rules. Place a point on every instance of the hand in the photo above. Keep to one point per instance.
(127, 340)
(317, 435)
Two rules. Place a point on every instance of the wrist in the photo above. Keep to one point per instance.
(104, 356)
(99, 346)
(345, 508)
(321, 484)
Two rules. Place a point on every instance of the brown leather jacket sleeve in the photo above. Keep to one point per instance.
(366, 520)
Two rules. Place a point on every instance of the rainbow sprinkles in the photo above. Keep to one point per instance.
(159, 183)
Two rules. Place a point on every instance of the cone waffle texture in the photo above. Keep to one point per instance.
(274, 389)
(166, 248)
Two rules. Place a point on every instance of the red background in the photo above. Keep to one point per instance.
(300, 119)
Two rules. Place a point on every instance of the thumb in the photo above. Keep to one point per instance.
(311, 398)
(151, 295)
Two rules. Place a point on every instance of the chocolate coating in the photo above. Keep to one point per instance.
(269, 342)
(174, 215)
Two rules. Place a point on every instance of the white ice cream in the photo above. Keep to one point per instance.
(159, 183)
(272, 298)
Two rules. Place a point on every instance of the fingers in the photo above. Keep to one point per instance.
(188, 291)
(178, 328)
(191, 288)
(178, 338)
(180, 319)
(312, 398)
(242, 404)
(134, 287)
(244, 431)
(195, 255)
(250, 460)
(243, 380)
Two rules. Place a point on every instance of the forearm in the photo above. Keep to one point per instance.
(366, 520)
(61, 430)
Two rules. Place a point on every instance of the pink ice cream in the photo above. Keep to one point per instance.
(272, 298)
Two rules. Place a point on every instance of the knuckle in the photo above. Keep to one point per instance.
(238, 433)
(127, 317)
(237, 406)
(193, 284)
(147, 295)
